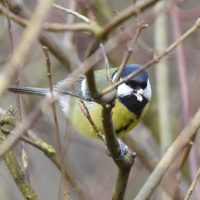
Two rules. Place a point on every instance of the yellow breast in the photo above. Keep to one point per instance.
(123, 120)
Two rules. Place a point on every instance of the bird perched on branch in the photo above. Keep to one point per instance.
(131, 102)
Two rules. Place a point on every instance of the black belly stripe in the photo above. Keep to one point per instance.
(124, 128)
(133, 105)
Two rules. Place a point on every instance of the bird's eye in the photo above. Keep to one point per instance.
(130, 84)
(137, 84)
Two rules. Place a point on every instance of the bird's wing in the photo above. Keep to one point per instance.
(79, 89)
(101, 78)
(74, 90)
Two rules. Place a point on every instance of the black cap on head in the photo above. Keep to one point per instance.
(138, 80)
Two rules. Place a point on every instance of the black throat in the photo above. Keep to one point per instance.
(133, 104)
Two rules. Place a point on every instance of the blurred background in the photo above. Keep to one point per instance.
(175, 87)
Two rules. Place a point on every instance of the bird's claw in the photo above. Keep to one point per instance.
(123, 151)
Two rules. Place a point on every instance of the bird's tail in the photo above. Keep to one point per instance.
(29, 90)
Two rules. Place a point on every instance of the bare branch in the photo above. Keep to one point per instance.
(124, 161)
(179, 144)
(11, 162)
(72, 12)
(6, 118)
(15, 134)
(61, 53)
(156, 58)
(126, 14)
(28, 38)
(50, 152)
(52, 27)
(129, 51)
(58, 138)
(191, 188)
(19, 177)
(106, 63)
(90, 62)
(56, 47)
(86, 113)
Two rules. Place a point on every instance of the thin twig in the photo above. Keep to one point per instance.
(58, 139)
(102, 32)
(6, 118)
(181, 64)
(70, 19)
(65, 56)
(68, 37)
(182, 72)
(76, 27)
(162, 80)
(56, 46)
(24, 156)
(61, 53)
(50, 152)
(108, 71)
(49, 75)
(24, 126)
(52, 27)
(192, 186)
(28, 38)
(156, 58)
(19, 177)
(86, 113)
(123, 162)
(10, 30)
(90, 62)
(185, 100)
(129, 51)
(126, 14)
(14, 167)
(163, 93)
(178, 145)
(15, 64)
(72, 12)
(19, 20)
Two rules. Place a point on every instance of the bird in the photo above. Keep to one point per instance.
(132, 100)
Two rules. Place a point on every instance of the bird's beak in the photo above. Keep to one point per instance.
(138, 93)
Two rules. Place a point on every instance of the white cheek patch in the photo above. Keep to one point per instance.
(124, 90)
(147, 91)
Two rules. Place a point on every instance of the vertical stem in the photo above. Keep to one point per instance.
(181, 66)
(18, 175)
(110, 136)
(120, 184)
(57, 130)
(162, 85)
(178, 145)
(124, 164)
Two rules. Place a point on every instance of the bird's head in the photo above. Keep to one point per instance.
(136, 92)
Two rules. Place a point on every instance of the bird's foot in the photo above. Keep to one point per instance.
(123, 151)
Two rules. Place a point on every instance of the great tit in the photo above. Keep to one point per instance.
(130, 105)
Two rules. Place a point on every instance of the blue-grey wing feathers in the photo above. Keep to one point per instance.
(78, 89)
(29, 90)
